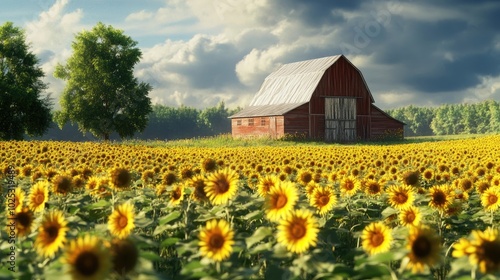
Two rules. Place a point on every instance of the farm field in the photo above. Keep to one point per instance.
(424, 210)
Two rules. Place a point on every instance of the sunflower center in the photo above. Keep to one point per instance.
(492, 199)
(39, 198)
(374, 188)
(52, 232)
(323, 200)
(349, 186)
(439, 198)
(421, 247)
(122, 222)
(24, 219)
(401, 198)
(221, 186)
(410, 217)
(177, 194)
(216, 241)
(298, 230)
(491, 252)
(87, 263)
(281, 201)
(377, 239)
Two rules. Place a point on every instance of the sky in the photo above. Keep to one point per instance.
(198, 53)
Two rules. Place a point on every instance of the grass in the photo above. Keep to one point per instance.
(226, 140)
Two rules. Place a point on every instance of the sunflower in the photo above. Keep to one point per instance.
(428, 174)
(401, 196)
(441, 197)
(424, 246)
(23, 222)
(265, 184)
(323, 199)
(465, 184)
(482, 186)
(304, 177)
(88, 259)
(373, 187)
(92, 183)
(18, 200)
(490, 199)
(349, 186)
(298, 231)
(120, 178)
(38, 196)
(197, 182)
(483, 250)
(125, 255)
(280, 201)
(62, 184)
(411, 178)
(216, 240)
(121, 221)
(209, 165)
(51, 234)
(377, 238)
(176, 194)
(410, 216)
(221, 186)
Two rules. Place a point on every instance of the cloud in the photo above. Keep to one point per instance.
(50, 35)
(409, 52)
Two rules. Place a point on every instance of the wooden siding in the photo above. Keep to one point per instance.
(297, 121)
(382, 124)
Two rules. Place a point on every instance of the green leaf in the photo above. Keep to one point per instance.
(254, 215)
(148, 255)
(98, 205)
(258, 235)
(169, 242)
(170, 217)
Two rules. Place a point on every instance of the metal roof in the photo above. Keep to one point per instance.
(293, 83)
(266, 110)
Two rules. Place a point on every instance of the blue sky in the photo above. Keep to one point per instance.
(198, 52)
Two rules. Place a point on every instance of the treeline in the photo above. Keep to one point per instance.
(449, 119)
(164, 123)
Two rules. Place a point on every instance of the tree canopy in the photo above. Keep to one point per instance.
(101, 94)
(22, 108)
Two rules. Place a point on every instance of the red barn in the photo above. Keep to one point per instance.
(325, 98)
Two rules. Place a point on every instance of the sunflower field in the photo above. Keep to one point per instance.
(116, 211)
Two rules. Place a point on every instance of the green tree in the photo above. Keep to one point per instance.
(215, 119)
(22, 109)
(101, 94)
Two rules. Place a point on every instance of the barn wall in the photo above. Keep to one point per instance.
(260, 128)
(297, 121)
(341, 79)
(382, 125)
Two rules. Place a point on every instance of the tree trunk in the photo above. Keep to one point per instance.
(106, 137)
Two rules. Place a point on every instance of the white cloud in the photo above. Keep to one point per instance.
(139, 16)
(51, 34)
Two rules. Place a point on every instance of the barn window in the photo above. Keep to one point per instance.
(262, 121)
(250, 122)
(238, 122)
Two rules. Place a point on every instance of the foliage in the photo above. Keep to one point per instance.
(22, 109)
(102, 95)
(447, 181)
(448, 119)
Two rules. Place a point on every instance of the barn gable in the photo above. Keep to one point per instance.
(325, 98)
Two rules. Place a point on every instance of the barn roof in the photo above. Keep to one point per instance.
(293, 82)
(266, 110)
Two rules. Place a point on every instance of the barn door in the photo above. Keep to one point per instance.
(340, 119)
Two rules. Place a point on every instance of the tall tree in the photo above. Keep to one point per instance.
(22, 109)
(101, 94)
